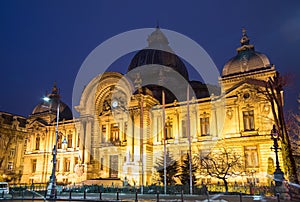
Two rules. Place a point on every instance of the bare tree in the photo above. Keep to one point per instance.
(274, 94)
(293, 128)
(221, 163)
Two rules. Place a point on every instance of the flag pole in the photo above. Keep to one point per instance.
(142, 141)
(189, 140)
(165, 148)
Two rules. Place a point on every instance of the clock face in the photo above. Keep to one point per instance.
(114, 103)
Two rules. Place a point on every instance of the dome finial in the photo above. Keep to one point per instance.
(157, 24)
(245, 39)
(54, 89)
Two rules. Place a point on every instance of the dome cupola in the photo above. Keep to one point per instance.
(44, 109)
(246, 60)
(158, 52)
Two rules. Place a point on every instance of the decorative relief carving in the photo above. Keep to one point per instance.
(229, 113)
(265, 109)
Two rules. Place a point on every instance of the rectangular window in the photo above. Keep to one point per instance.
(159, 130)
(37, 143)
(125, 132)
(70, 139)
(103, 139)
(251, 156)
(76, 160)
(101, 163)
(12, 152)
(114, 133)
(57, 165)
(183, 128)
(33, 165)
(67, 165)
(59, 141)
(204, 125)
(248, 118)
(10, 166)
(169, 132)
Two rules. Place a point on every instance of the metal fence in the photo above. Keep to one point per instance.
(198, 190)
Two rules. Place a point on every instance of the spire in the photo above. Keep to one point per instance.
(245, 39)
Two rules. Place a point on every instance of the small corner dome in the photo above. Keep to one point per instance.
(65, 113)
(246, 60)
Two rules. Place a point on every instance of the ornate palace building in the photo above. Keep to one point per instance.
(124, 125)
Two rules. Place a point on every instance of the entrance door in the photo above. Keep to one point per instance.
(113, 166)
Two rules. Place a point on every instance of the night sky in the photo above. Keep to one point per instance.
(46, 41)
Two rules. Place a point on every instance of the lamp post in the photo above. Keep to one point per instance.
(51, 189)
(278, 174)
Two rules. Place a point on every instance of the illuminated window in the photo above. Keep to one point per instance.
(159, 131)
(57, 165)
(10, 166)
(101, 163)
(59, 141)
(70, 139)
(103, 133)
(114, 132)
(12, 152)
(169, 130)
(125, 131)
(248, 118)
(183, 128)
(76, 160)
(204, 125)
(67, 165)
(37, 143)
(33, 165)
(251, 156)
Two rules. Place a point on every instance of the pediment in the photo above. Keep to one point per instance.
(37, 123)
(249, 85)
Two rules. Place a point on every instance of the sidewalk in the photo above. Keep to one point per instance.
(153, 197)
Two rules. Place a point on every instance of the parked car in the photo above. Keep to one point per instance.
(4, 187)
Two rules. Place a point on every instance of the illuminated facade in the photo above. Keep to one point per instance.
(119, 133)
(12, 135)
(126, 121)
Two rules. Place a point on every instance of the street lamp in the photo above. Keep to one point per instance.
(278, 174)
(51, 189)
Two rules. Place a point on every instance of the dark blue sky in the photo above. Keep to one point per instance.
(46, 41)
